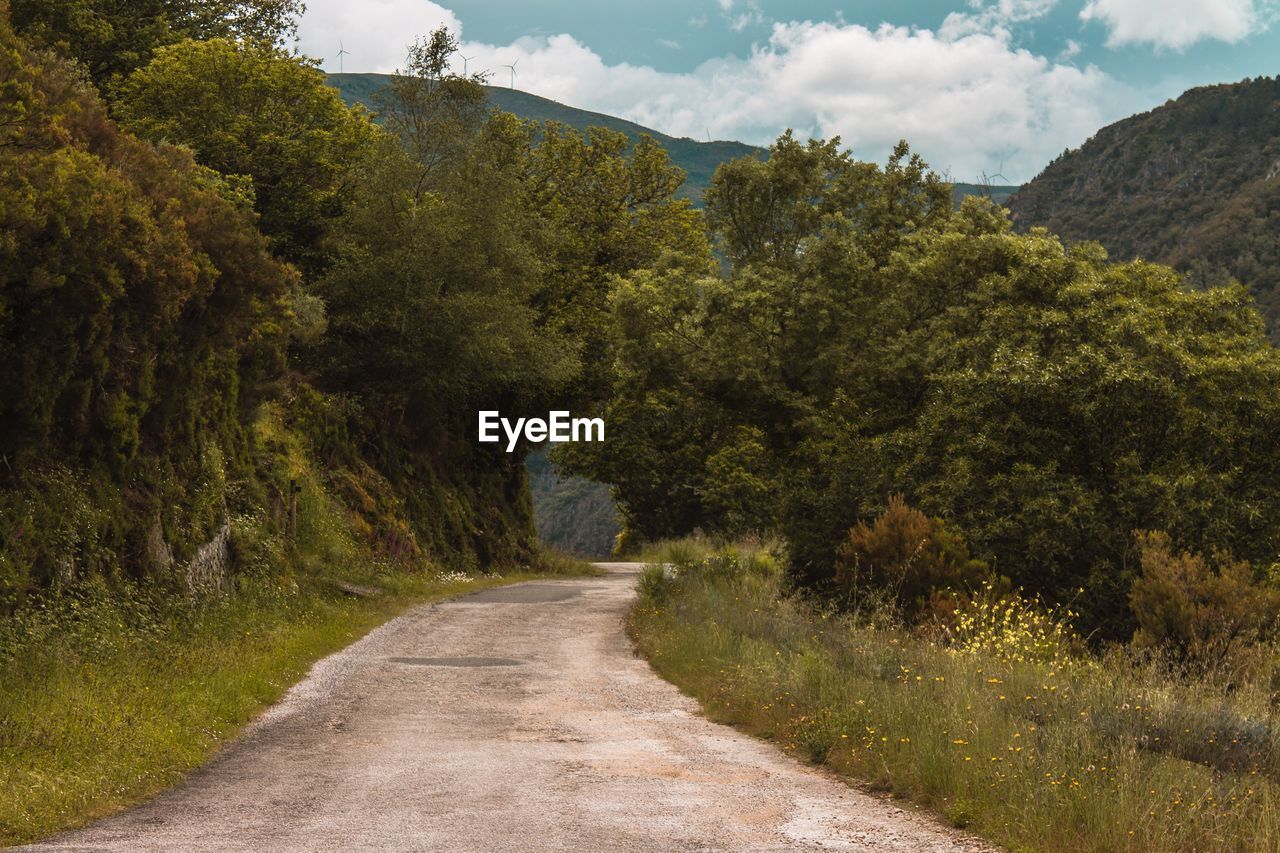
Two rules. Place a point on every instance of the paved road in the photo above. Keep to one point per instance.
(514, 719)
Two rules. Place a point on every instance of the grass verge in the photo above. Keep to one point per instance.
(108, 696)
(1082, 755)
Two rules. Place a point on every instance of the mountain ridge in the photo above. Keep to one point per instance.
(698, 159)
(1193, 183)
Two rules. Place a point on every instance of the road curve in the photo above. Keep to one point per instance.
(514, 719)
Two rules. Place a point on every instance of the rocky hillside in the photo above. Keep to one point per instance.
(1194, 183)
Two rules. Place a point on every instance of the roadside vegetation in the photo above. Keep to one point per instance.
(1030, 497)
(998, 717)
(112, 689)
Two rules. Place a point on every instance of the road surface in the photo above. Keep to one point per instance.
(514, 719)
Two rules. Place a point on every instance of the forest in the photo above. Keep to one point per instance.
(213, 237)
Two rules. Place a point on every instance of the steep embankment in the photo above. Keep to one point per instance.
(1194, 183)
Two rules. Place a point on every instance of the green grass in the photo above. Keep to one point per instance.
(109, 696)
(692, 549)
(1093, 755)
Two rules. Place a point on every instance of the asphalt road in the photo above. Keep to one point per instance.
(514, 719)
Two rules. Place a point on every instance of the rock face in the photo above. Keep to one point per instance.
(158, 553)
(210, 568)
(1192, 183)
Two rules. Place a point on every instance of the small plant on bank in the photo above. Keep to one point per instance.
(1013, 629)
(1206, 612)
(908, 559)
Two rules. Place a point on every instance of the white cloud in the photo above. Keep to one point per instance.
(968, 102)
(993, 17)
(375, 33)
(751, 15)
(1174, 24)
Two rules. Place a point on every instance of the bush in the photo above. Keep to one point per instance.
(909, 559)
(1202, 611)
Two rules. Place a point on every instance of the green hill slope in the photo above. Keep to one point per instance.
(999, 193)
(1194, 183)
(698, 159)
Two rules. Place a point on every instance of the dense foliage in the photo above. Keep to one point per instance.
(361, 288)
(1190, 183)
(252, 111)
(830, 333)
(867, 341)
(1005, 725)
(140, 312)
(110, 38)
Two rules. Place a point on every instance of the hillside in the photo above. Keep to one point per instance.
(999, 193)
(1194, 183)
(698, 159)
(574, 515)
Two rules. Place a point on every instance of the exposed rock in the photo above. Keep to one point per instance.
(210, 568)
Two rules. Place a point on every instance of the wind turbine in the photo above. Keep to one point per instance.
(512, 66)
(465, 59)
(341, 53)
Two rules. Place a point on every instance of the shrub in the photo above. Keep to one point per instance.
(1200, 610)
(908, 558)
(654, 583)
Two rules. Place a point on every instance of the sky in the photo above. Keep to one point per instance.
(980, 88)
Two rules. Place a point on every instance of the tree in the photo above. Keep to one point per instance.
(1072, 401)
(111, 38)
(763, 211)
(1046, 403)
(249, 109)
(434, 113)
(607, 211)
(766, 347)
(1041, 402)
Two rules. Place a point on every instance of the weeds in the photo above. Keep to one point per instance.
(1008, 728)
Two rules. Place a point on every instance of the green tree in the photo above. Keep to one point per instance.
(1047, 402)
(249, 109)
(763, 211)
(1071, 401)
(434, 113)
(1043, 402)
(113, 37)
(607, 209)
(766, 347)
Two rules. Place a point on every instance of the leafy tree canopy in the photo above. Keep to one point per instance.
(249, 109)
(140, 311)
(110, 38)
(867, 341)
